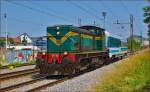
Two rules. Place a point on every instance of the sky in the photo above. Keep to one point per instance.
(34, 16)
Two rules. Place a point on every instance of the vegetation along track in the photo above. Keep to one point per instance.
(17, 74)
(24, 64)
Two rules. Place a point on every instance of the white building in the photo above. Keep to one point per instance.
(26, 37)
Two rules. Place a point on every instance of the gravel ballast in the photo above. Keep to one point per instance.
(82, 83)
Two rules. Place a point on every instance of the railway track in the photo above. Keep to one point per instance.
(39, 83)
(42, 87)
(42, 81)
(21, 84)
(49, 84)
(9, 75)
(24, 64)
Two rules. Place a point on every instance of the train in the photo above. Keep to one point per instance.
(72, 49)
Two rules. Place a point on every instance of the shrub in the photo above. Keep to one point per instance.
(32, 62)
(1, 66)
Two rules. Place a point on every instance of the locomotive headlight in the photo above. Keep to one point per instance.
(65, 53)
(57, 32)
(57, 28)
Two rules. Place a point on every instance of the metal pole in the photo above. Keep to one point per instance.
(104, 15)
(141, 40)
(5, 16)
(94, 23)
(149, 33)
(131, 31)
(79, 21)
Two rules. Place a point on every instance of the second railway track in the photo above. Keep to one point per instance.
(9, 75)
(21, 84)
(38, 83)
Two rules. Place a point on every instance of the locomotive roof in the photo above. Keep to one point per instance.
(91, 27)
(77, 29)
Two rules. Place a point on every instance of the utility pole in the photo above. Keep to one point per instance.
(149, 33)
(79, 21)
(5, 16)
(141, 40)
(104, 16)
(94, 23)
(131, 31)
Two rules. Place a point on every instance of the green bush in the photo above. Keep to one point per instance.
(1, 66)
(32, 62)
(15, 64)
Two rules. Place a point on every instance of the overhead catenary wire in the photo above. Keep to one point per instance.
(108, 9)
(93, 10)
(26, 21)
(48, 9)
(39, 11)
(124, 6)
(128, 11)
(10, 18)
(115, 16)
(85, 10)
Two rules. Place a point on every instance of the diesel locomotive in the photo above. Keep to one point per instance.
(71, 49)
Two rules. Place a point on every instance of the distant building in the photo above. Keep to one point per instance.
(40, 42)
(26, 37)
(36, 42)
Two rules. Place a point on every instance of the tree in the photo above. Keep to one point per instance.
(147, 14)
(11, 41)
(136, 44)
(147, 19)
(2, 42)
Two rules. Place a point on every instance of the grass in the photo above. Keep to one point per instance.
(132, 75)
(17, 64)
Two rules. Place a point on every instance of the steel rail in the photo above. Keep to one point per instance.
(20, 84)
(17, 74)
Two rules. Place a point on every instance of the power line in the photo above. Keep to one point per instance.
(124, 6)
(93, 10)
(108, 9)
(39, 11)
(129, 13)
(23, 21)
(26, 22)
(114, 15)
(103, 5)
(48, 8)
(85, 10)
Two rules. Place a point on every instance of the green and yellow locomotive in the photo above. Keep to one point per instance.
(71, 49)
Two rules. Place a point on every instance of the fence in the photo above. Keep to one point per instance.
(22, 56)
